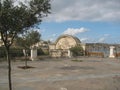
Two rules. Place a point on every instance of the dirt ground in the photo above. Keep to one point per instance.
(81, 73)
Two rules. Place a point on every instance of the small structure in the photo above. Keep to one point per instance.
(62, 45)
(1, 42)
(112, 52)
(25, 52)
(69, 54)
(33, 53)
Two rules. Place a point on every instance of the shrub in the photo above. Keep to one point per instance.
(40, 52)
(2, 52)
(18, 52)
(14, 52)
(75, 60)
(77, 51)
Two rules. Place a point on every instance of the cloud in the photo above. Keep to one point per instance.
(18, 2)
(73, 31)
(101, 40)
(106, 35)
(53, 37)
(85, 10)
(84, 39)
(104, 38)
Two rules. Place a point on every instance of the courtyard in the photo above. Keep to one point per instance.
(82, 73)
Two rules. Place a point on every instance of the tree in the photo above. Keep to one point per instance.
(26, 41)
(15, 19)
(32, 37)
(28, 38)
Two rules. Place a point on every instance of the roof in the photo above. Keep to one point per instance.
(65, 35)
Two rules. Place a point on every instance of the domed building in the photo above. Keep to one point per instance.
(66, 42)
(62, 45)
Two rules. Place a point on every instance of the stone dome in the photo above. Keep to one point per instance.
(66, 42)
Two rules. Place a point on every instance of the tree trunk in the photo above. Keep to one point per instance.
(25, 61)
(9, 67)
(25, 54)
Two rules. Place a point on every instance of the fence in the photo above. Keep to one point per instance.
(102, 50)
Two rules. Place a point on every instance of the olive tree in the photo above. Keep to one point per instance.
(26, 40)
(17, 18)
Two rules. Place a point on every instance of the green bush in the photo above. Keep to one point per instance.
(2, 52)
(18, 52)
(14, 52)
(77, 51)
(40, 52)
(75, 60)
(46, 51)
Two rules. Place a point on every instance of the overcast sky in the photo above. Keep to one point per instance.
(85, 10)
(89, 20)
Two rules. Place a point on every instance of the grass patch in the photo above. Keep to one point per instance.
(76, 60)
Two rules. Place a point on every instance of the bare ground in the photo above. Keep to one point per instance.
(64, 74)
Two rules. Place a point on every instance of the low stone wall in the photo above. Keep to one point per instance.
(58, 53)
(117, 54)
(97, 54)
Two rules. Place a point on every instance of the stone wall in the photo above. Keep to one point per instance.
(59, 53)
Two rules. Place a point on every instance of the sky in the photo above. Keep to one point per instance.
(92, 21)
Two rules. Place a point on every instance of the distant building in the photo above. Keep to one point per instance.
(42, 44)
